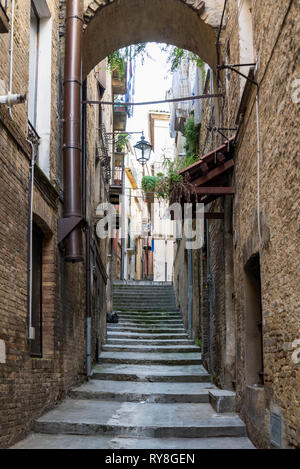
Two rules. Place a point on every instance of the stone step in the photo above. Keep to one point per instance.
(145, 322)
(152, 373)
(149, 342)
(149, 317)
(46, 441)
(137, 321)
(132, 391)
(145, 309)
(142, 330)
(150, 294)
(130, 335)
(151, 348)
(152, 358)
(88, 417)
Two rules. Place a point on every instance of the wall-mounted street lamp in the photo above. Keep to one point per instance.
(143, 151)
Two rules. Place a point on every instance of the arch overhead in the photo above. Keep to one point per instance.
(113, 24)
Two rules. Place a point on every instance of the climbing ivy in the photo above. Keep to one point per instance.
(191, 133)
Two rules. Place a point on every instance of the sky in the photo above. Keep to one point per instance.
(152, 82)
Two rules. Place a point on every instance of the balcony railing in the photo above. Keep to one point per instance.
(103, 155)
(117, 178)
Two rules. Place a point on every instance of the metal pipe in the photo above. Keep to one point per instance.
(11, 51)
(208, 276)
(258, 169)
(190, 304)
(88, 304)
(31, 334)
(12, 99)
(72, 123)
(163, 101)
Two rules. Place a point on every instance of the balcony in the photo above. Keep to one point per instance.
(120, 117)
(119, 85)
(116, 185)
(4, 21)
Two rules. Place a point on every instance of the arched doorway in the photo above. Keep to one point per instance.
(188, 24)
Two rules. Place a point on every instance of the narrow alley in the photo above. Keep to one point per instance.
(149, 389)
(149, 225)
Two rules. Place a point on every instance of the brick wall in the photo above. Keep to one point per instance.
(30, 386)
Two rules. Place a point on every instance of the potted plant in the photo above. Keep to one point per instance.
(122, 141)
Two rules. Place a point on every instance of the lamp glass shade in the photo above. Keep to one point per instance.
(143, 151)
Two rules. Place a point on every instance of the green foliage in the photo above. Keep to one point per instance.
(198, 342)
(122, 141)
(149, 183)
(191, 133)
(117, 59)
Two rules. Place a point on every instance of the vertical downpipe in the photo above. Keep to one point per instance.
(11, 52)
(190, 310)
(72, 124)
(31, 332)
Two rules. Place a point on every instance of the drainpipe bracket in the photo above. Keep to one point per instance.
(67, 225)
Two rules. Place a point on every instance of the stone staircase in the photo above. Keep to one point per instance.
(150, 389)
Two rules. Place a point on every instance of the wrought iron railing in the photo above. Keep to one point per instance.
(104, 155)
(117, 178)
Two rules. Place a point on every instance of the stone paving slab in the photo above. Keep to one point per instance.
(88, 417)
(132, 391)
(42, 441)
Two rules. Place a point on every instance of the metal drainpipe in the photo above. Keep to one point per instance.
(72, 123)
(190, 305)
(31, 334)
(11, 52)
(208, 276)
(88, 305)
(87, 238)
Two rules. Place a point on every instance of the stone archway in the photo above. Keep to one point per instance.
(113, 24)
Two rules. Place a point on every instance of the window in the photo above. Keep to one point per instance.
(37, 267)
(33, 65)
(254, 326)
(39, 86)
(4, 22)
(246, 37)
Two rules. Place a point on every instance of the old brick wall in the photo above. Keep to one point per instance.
(276, 29)
(30, 386)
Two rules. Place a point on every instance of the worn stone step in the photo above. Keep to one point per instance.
(145, 309)
(142, 330)
(132, 391)
(149, 317)
(151, 348)
(63, 441)
(87, 417)
(152, 358)
(149, 342)
(152, 373)
(130, 335)
(145, 321)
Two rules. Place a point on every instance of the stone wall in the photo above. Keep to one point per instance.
(30, 386)
(233, 242)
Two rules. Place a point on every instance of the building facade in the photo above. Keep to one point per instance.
(52, 313)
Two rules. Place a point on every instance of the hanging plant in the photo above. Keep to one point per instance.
(149, 183)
